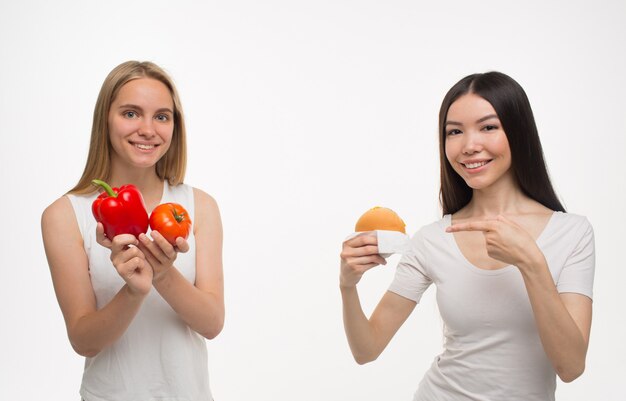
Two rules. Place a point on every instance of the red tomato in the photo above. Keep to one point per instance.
(171, 220)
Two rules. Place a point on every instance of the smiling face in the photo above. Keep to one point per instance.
(476, 145)
(141, 123)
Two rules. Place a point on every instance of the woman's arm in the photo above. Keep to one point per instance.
(563, 320)
(201, 306)
(368, 337)
(89, 330)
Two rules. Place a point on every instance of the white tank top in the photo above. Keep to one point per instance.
(158, 357)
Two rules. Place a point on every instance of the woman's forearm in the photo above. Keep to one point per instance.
(203, 311)
(563, 340)
(91, 333)
(357, 327)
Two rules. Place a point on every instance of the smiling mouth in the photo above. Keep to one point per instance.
(476, 165)
(143, 146)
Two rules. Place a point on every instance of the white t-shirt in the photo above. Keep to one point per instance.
(158, 357)
(492, 350)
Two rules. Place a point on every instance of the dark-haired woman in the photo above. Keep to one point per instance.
(513, 270)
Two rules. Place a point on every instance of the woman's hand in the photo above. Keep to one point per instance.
(128, 260)
(160, 254)
(505, 240)
(359, 254)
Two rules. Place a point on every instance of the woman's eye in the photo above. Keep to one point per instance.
(453, 132)
(490, 127)
(130, 114)
(162, 117)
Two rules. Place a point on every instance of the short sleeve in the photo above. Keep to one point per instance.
(411, 279)
(578, 271)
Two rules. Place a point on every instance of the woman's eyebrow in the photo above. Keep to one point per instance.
(129, 106)
(485, 118)
(134, 106)
(480, 120)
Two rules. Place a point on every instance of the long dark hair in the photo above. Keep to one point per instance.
(513, 109)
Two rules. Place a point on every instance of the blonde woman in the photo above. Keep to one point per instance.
(139, 309)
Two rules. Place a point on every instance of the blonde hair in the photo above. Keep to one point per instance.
(170, 167)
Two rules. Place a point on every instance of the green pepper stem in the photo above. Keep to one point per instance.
(105, 186)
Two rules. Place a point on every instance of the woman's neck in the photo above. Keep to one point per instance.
(502, 197)
(492, 203)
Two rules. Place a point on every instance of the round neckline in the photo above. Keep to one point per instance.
(447, 221)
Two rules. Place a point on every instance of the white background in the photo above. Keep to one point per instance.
(302, 115)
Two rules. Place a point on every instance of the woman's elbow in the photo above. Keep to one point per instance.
(213, 330)
(211, 334)
(84, 351)
(362, 360)
(365, 357)
(569, 375)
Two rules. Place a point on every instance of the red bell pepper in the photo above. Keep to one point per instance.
(120, 210)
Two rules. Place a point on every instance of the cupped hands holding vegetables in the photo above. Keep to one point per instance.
(122, 226)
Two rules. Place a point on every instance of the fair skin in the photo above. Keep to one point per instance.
(140, 129)
(499, 227)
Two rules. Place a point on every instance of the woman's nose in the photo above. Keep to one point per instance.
(146, 128)
(471, 143)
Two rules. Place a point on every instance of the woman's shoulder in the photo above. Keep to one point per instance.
(571, 220)
(207, 213)
(199, 196)
(203, 197)
(56, 209)
(433, 230)
(58, 216)
(204, 203)
(570, 226)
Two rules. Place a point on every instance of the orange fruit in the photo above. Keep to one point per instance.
(380, 218)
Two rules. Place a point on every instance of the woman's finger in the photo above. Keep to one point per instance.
(153, 252)
(482, 225)
(182, 245)
(367, 238)
(163, 245)
(123, 241)
(150, 258)
(118, 258)
(101, 238)
(366, 260)
(361, 251)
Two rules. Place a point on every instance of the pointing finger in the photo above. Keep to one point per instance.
(471, 226)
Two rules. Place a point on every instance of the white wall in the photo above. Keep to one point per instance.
(302, 115)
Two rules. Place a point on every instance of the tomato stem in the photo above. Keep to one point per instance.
(105, 186)
(179, 217)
